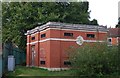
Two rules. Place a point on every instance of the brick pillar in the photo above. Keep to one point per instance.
(37, 48)
(28, 51)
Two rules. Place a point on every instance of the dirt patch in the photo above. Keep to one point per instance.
(24, 75)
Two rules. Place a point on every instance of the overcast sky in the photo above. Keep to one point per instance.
(105, 11)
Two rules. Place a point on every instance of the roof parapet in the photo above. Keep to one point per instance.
(68, 26)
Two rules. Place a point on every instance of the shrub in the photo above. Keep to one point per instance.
(96, 59)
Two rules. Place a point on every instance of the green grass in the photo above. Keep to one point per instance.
(33, 71)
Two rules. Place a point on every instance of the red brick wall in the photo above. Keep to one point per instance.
(115, 41)
(54, 51)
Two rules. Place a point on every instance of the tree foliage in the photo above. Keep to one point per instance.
(97, 59)
(118, 25)
(94, 22)
(18, 17)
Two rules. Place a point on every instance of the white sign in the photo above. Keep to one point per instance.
(79, 40)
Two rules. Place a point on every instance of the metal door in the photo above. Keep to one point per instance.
(33, 55)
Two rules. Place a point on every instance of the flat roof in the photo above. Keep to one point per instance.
(67, 26)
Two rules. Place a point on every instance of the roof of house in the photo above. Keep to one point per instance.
(68, 26)
(114, 32)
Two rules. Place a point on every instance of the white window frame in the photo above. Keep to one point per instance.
(109, 43)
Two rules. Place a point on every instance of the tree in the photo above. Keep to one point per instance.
(94, 22)
(118, 25)
(95, 60)
(18, 17)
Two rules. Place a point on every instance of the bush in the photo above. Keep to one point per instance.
(96, 59)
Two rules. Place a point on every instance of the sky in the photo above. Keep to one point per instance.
(105, 11)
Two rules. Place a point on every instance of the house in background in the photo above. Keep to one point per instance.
(47, 44)
(113, 36)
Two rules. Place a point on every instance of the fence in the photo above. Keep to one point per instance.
(8, 49)
(0, 65)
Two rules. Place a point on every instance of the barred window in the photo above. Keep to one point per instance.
(42, 62)
(43, 35)
(33, 38)
(67, 63)
(68, 34)
(91, 35)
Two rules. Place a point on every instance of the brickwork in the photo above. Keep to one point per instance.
(51, 45)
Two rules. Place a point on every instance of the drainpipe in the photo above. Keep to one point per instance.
(38, 46)
(97, 34)
(60, 47)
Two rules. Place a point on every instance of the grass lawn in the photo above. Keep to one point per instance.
(33, 71)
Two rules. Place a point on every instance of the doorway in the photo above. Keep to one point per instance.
(33, 54)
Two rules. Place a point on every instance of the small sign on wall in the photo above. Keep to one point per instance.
(79, 40)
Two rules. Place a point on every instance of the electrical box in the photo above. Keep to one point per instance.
(11, 63)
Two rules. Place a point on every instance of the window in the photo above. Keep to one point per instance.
(109, 40)
(43, 35)
(68, 34)
(33, 38)
(67, 63)
(90, 35)
(42, 62)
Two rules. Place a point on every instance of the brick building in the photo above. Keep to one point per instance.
(113, 36)
(47, 44)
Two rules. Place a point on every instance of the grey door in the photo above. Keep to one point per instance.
(33, 56)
